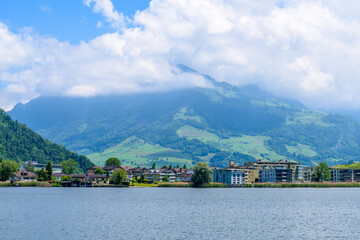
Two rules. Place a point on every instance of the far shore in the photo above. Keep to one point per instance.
(304, 185)
(210, 185)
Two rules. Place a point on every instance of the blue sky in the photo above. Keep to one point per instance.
(65, 20)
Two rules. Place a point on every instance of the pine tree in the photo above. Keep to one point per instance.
(49, 171)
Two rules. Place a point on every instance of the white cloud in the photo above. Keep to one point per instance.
(306, 50)
(106, 8)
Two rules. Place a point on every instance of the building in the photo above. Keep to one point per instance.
(58, 176)
(92, 169)
(282, 164)
(307, 173)
(251, 175)
(184, 177)
(299, 172)
(344, 175)
(231, 177)
(171, 174)
(94, 177)
(23, 175)
(356, 177)
(138, 171)
(81, 177)
(277, 175)
(56, 168)
(110, 169)
(152, 175)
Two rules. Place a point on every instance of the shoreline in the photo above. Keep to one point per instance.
(304, 185)
(189, 185)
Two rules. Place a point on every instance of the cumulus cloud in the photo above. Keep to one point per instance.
(106, 8)
(306, 50)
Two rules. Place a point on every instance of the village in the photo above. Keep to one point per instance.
(261, 171)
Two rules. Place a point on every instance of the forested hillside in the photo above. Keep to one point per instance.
(20, 144)
(185, 126)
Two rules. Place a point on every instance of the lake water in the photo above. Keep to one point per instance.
(176, 213)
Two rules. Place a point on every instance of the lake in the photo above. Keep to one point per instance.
(179, 213)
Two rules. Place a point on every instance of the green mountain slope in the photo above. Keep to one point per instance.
(214, 124)
(19, 143)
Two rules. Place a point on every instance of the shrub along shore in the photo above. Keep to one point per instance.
(209, 185)
(26, 184)
(188, 185)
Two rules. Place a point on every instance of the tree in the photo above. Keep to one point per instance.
(65, 178)
(49, 171)
(177, 166)
(321, 173)
(202, 174)
(69, 166)
(165, 178)
(29, 167)
(119, 176)
(99, 171)
(170, 166)
(7, 169)
(42, 175)
(113, 162)
(184, 167)
(153, 166)
(142, 178)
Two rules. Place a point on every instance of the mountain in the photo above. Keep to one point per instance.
(199, 124)
(19, 143)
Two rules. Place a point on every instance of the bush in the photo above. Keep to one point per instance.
(65, 178)
(5, 184)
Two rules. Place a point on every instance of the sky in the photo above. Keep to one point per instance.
(306, 50)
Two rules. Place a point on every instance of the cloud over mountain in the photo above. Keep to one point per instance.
(306, 50)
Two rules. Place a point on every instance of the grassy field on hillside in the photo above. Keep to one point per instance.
(251, 145)
(308, 117)
(134, 151)
(302, 149)
(349, 166)
(184, 115)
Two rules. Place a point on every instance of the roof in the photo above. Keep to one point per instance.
(185, 175)
(110, 168)
(59, 175)
(95, 167)
(77, 175)
(24, 173)
(95, 176)
(126, 168)
(138, 170)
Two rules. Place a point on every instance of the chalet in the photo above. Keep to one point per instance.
(138, 171)
(92, 169)
(23, 175)
(58, 176)
(110, 169)
(81, 177)
(184, 177)
(94, 177)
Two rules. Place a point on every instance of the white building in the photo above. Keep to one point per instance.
(231, 177)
